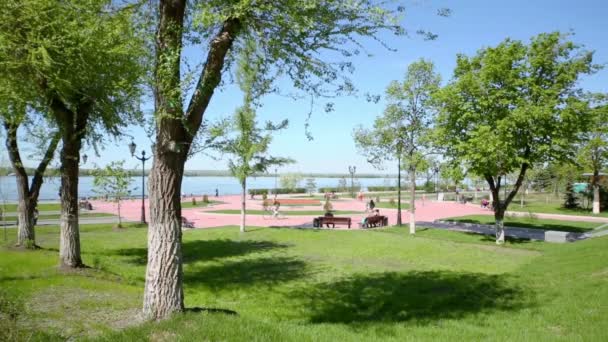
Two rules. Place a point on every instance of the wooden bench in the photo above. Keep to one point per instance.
(376, 221)
(327, 220)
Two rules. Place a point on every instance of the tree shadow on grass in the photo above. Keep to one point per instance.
(249, 272)
(204, 250)
(562, 227)
(421, 297)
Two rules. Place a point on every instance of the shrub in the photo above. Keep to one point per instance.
(328, 207)
(193, 201)
(392, 202)
(570, 201)
(205, 199)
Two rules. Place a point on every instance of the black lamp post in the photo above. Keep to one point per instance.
(352, 170)
(436, 169)
(143, 159)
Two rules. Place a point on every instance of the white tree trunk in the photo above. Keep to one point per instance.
(69, 241)
(500, 232)
(596, 199)
(413, 202)
(243, 206)
(119, 219)
(163, 293)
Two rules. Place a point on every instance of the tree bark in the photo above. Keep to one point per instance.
(413, 201)
(163, 293)
(243, 200)
(399, 189)
(69, 242)
(72, 127)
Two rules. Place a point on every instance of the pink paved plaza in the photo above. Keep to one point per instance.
(203, 217)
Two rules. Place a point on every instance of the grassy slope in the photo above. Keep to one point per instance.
(306, 285)
(534, 223)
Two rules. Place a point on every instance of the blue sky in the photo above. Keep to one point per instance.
(473, 25)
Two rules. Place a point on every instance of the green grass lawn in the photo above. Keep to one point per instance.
(44, 206)
(528, 222)
(551, 208)
(199, 204)
(313, 285)
(286, 212)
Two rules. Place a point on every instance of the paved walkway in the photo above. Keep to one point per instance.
(203, 218)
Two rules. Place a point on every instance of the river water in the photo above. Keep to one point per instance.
(190, 185)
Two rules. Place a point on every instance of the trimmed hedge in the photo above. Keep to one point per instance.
(279, 191)
(381, 188)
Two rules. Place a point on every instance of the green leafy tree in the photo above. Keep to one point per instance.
(593, 154)
(570, 200)
(249, 147)
(311, 186)
(290, 180)
(83, 60)
(113, 181)
(13, 116)
(403, 131)
(293, 38)
(513, 106)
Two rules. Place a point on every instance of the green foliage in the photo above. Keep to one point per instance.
(277, 191)
(513, 106)
(342, 185)
(381, 188)
(570, 200)
(311, 185)
(112, 181)
(290, 180)
(402, 132)
(328, 207)
(593, 154)
(193, 201)
(248, 144)
(86, 55)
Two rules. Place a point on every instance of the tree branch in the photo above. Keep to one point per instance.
(211, 75)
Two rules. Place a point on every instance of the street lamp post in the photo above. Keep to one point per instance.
(143, 159)
(352, 170)
(436, 169)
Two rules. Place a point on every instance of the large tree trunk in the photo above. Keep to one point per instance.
(413, 201)
(163, 293)
(399, 190)
(243, 208)
(69, 242)
(499, 216)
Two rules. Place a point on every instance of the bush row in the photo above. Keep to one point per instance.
(339, 189)
(278, 191)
